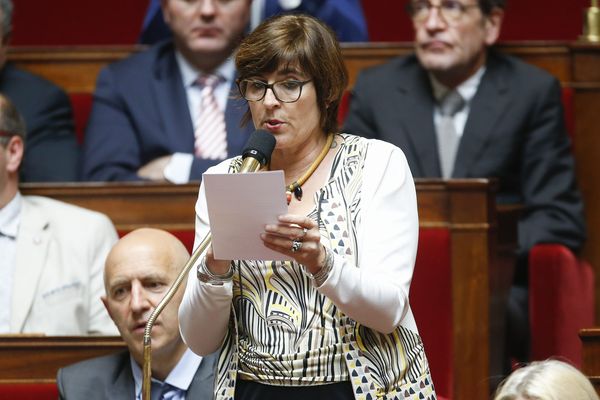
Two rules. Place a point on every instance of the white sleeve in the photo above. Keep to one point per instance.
(376, 293)
(204, 310)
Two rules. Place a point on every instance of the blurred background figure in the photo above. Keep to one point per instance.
(460, 109)
(139, 270)
(546, 380)
(169, 113)
(51, 253)
(52, 152)
(345, 17)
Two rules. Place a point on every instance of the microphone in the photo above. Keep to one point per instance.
(256, 153)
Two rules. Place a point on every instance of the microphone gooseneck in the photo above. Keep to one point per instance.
(256, 153)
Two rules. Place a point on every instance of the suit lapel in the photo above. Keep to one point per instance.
(33, 240)
(414, 110)
(123, 387)
(204, 378)
(171, 100)
(488, 105)
(234, 111)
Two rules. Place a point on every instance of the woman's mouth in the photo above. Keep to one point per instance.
(273, 124)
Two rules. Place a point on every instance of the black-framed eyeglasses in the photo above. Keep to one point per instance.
(450, 10)
(286, 91)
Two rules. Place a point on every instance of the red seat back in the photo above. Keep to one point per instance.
(82, 106)
(431, 303)
(561, 302)
(29, 391)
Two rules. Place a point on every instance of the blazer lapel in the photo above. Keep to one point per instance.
(123, 387)
(204, 379)
(171, 100)
(236, 135)
(33, 240)
(488, 105)
(414, 110)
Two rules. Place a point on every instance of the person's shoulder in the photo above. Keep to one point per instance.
(99, 369)
(62, 211)
(137, 63)
(516, 69)
(377, 79)
(392, 66)
(376, 148)
(22, 80)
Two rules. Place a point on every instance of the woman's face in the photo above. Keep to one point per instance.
(292, 124)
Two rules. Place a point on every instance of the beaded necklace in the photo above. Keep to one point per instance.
(296, 186)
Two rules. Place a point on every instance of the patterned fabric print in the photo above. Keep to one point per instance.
(379, 366)
(288, 333)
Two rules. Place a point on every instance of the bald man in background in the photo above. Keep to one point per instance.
(139, 270)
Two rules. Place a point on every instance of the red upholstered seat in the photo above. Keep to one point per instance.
(344, 106)
(561, 302)
(431, 303)
(29, 391)
(82, 106)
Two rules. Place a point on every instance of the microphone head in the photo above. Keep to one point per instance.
(260, 146)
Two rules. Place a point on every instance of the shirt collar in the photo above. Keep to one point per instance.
(181, 376)
(467, 89)
(189, 73)
(9, 217)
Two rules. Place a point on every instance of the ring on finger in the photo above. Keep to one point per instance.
(304, 230)
(296, 245)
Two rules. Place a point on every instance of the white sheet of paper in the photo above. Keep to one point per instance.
(239, 207)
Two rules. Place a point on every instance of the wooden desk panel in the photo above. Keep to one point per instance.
(590, 339)
(465, 207)
(37, 359)
(76, 68)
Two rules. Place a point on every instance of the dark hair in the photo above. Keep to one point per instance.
(488, 5)
(302, 41)
(11, 122)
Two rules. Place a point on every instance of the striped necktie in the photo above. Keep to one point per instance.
(210, 136)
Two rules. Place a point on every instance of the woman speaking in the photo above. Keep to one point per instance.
(335, 322)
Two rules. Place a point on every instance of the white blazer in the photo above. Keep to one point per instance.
(61, 250)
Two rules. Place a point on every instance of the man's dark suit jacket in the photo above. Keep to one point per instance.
(51, 149)
(140, 112)
(514, 132)
(110, 378)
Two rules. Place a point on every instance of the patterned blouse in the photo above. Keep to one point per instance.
(283, 331)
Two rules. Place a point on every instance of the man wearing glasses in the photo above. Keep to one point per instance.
(459, 109)
(169, 113)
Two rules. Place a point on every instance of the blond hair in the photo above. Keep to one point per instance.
(546, 380)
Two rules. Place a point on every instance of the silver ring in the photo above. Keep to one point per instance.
(304, 230)
(296, 245)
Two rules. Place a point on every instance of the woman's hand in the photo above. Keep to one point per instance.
(297, 236)
(216, 267)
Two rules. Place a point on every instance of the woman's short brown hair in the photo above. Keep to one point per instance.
(306, 43)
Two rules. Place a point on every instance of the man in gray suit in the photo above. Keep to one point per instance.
(51, 253)
(139, 270)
